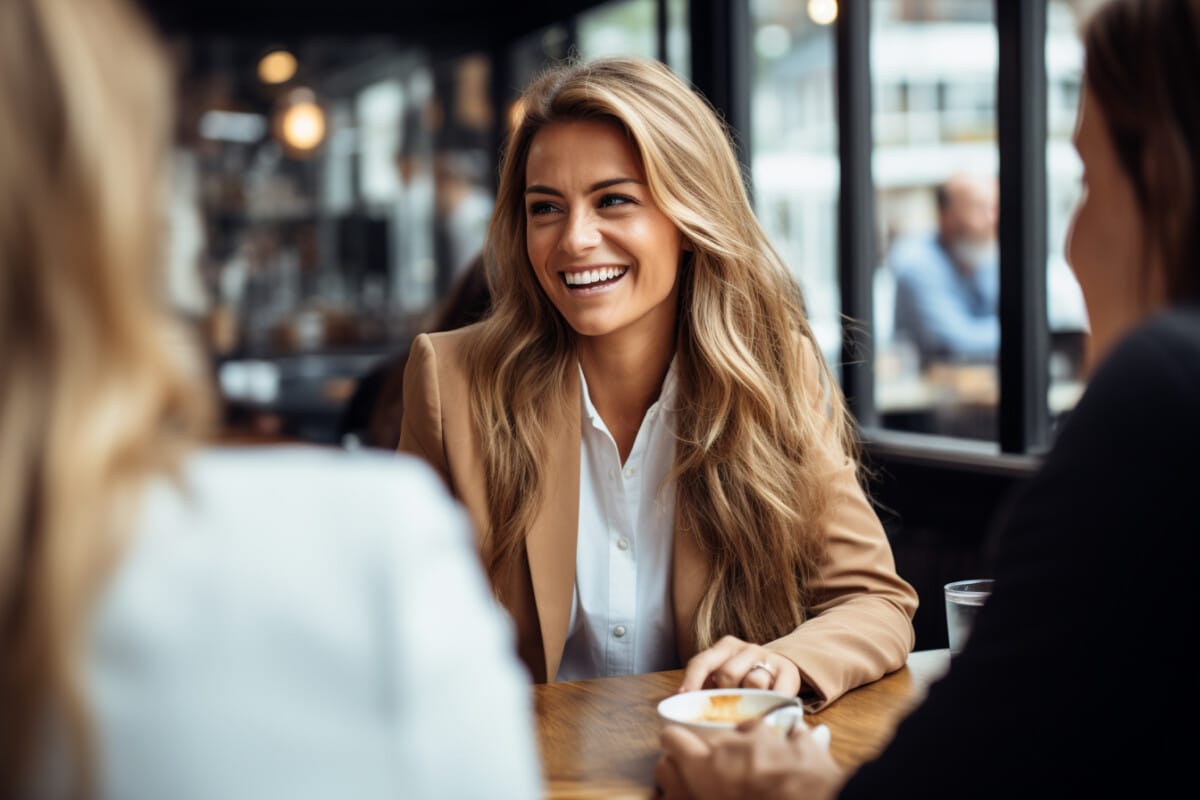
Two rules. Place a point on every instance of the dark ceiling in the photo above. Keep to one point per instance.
(442, 22)
(227, 37)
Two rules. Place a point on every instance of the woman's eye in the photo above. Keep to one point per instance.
(611, 200)
(537, 209)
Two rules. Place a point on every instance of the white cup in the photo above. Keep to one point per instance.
(689, 710)
(963, 601)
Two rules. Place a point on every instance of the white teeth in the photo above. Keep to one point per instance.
(589, 276)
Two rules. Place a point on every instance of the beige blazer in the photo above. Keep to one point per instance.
(860, 626)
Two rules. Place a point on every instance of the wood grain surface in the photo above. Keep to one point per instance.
(599, 738)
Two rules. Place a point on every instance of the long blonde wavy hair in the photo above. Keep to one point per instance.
(750, 482)
(98, 387)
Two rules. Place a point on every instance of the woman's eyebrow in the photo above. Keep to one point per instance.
(595, 187)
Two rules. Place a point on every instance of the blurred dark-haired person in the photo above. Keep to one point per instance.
(179, 620)
(1078, 679)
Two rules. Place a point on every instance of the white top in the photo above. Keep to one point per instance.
(302, 623)
(622, 621)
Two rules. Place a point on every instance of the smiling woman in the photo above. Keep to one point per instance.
(658, 464)
(605, 255)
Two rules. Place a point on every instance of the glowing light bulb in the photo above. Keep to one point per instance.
(822, 12)
(303, 125)
(278, 66)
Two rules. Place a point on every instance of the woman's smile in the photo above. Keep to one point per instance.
(585, 281)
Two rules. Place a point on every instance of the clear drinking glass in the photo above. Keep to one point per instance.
(963, 600)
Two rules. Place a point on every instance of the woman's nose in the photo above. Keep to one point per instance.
(581, 232)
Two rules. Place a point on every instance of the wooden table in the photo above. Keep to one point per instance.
(599, 738)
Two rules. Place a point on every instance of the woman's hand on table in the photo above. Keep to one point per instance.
(732, 662)
(753, 762)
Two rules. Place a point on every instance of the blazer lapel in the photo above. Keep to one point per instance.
(550, 544)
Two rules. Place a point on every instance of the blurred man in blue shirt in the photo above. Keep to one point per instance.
(947, 281)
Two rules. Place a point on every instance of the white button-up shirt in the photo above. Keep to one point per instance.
(622, 620)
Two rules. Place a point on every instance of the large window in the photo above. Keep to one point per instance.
(932, 81)
(937, 329)
(794, 161)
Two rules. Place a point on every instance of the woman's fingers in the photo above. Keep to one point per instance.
(732, 662)
(702, 665)
(751, 666)
(787, 681)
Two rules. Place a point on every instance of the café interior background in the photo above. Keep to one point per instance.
(330, 186)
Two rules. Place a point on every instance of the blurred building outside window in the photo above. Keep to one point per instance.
(794, 158)
(679, 37)
(619, 28)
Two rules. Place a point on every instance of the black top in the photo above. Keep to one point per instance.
(1075, 678)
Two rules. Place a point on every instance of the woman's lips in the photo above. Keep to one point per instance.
(586, 280)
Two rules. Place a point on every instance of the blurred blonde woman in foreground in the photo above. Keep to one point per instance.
(658, 462)
(189, 622)
(1078, 679)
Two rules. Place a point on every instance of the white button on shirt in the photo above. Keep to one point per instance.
(621, 614)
